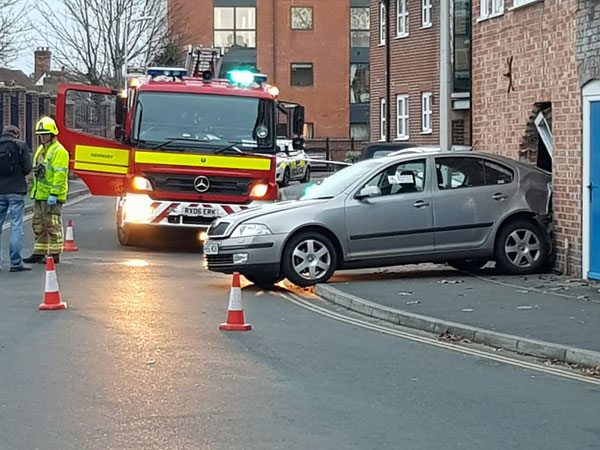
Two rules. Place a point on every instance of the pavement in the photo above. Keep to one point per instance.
(553, 317)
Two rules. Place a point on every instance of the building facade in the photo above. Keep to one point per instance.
(315, 52)
(527, 103)
(405, 75)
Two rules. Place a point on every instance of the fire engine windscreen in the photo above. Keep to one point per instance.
(203, 122)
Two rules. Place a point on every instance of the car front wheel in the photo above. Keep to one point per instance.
(309, 258)
(521, 248)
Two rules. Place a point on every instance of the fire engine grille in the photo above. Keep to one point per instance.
(185, 184)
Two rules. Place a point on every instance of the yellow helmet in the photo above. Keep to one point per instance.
(46, 125)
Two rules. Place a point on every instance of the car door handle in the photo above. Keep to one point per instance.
(420, 204)
(499, 196)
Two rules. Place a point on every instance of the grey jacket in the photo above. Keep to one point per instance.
(16, 183)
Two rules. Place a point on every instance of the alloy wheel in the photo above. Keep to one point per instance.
(311, 259)
(522, 248)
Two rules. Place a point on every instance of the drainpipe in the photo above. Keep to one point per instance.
(388, 75)
(274, 43)
(445, 80)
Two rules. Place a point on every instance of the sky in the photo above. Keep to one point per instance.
(36, 39)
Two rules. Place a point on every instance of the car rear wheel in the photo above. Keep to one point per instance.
(285, 180)
(468, 264)
(309, 258)
(306, 177)
(521, 248)
(263, 281)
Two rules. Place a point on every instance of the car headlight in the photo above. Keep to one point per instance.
(250, 229)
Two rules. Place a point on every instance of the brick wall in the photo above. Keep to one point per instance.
(414, 68)
(588, 43)
(541, 39)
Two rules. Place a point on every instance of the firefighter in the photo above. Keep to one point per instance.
(49, 191)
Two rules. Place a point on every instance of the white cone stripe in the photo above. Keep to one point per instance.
(235, 299)
(69, 234)
(51, 281)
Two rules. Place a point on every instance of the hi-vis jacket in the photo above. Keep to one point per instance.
(54, 178)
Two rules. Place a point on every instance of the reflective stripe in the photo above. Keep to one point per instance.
(223, 162)
(61, 169)
(100, 168)
(102, 155)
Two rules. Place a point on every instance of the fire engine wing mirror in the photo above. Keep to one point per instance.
(299, 120)
(120, 110)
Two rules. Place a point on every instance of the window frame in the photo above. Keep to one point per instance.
(377, 179)
(235, 30)
(488, 9)
(312, 18)
(367, 30)
(402, 115)
(382, 23)
(426, 114)
(426, 13)
(402, 16)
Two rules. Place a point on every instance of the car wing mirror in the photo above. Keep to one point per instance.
(368, 192)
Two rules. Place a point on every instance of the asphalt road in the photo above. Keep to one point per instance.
(137, 362)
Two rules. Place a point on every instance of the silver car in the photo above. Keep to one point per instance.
(464, 208)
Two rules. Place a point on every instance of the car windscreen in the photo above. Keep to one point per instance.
(339, 181)
(192, 122)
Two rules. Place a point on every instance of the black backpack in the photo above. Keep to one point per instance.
(10, 158)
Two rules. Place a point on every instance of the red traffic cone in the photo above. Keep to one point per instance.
(235, 312)
(52, 294)
(69, 244)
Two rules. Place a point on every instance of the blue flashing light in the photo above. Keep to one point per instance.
(241, 77)
(166, 71)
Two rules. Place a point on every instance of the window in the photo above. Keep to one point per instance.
(359, 131)
(302, 74)
(402, 22)
(360, 24)
(426, 13)
(490, 8)
(402, 117)
(402, 178)
(359, 83)
(309, 130)
(456, 173)
(519, 3)
(545, 133)
(382, 120)
(382, 23)
(496, 174)
(302, 18)
(235, 26)
(426, 112)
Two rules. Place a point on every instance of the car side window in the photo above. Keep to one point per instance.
(402, 178)
(457, 172)
(496, 173)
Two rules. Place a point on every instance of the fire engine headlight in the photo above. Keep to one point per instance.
(137, 208)
(259, 190)
(141, 183)
(250, 229)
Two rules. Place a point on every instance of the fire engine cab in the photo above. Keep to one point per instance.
(179, 147)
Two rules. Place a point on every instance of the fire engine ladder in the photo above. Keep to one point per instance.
(200, 59)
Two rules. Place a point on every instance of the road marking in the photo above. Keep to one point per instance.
(299, 301)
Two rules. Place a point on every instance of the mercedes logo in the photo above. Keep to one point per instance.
(201, 184)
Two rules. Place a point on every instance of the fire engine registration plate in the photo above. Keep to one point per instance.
(211, 249)
(204, 212)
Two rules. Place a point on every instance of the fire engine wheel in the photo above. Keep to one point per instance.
(125, 234)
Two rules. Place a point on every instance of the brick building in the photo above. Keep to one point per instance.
(405, 71)
(316, 52)
(531, 59)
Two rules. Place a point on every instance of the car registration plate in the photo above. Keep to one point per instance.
(204, 212)
(211, 249)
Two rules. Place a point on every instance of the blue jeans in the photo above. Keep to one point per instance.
(14, 205)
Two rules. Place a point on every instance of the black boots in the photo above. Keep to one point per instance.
(37, 258)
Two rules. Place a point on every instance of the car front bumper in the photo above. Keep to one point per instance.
(260, 255)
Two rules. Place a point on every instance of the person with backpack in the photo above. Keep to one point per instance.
(15, 165)
(49, 192)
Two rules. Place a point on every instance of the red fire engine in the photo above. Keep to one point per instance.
(178, 150)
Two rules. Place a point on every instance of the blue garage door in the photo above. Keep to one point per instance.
(594, 191)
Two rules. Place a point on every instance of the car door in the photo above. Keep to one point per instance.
(397, 222)
(470, 197)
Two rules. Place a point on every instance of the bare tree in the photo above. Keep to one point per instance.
(13, 28)
(88, 36)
